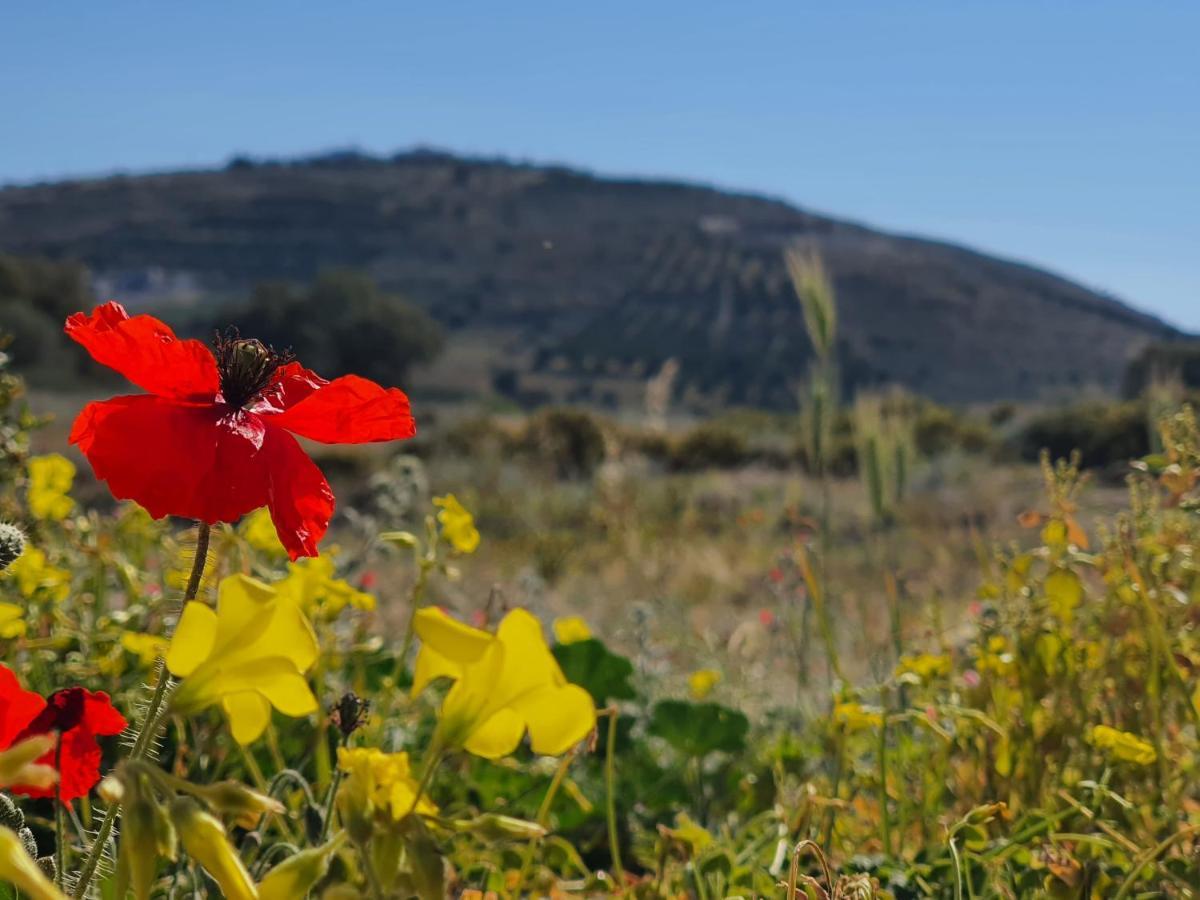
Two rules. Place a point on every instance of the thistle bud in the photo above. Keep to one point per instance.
(244, 805)
(18, 868)
(203, 838)
(296, 875)
(12, 544)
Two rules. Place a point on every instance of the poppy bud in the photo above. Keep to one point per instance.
(12, 818)
(296, 875)
(203, 838)
(12, 544)
(244, 805)
(18, 868)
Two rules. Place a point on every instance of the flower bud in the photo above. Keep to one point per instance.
(146, 834)
(18, 868)
(492, 827)
(203, 838)
(243, 804)
(18, 764)
(12, 544)
(296, 875)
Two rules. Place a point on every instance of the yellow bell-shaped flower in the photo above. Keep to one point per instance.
(504, 685)
(249, 655)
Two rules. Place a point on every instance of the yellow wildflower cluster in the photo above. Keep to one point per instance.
(313, 587)
(383, 782)
(856, 717)
(926, 666)
(1122, 745)
(50, 481)
(36, 576)
(458, 525)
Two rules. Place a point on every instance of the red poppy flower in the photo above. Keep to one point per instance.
(77, 714)
(215, 436)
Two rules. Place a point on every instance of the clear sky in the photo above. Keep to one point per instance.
(1061, 133)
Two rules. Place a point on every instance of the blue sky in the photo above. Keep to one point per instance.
(1064, 134)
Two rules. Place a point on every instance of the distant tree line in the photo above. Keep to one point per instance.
(341, 323)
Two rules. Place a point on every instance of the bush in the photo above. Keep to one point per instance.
(1105, 434)
(342, 324)
(711, 445)
(569, 441)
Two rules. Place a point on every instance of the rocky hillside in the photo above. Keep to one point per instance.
(578, 287)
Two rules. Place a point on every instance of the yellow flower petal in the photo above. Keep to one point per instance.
(558, 718)
(249, 714)
(193, 641)
(571, 630)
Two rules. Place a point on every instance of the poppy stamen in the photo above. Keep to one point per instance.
(246, 366)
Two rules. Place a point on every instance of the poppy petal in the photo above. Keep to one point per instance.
(290, 384)
(147, 352)
(101, 716)
(18, 707)
(197, 462)
(298, 496)
(350, 410)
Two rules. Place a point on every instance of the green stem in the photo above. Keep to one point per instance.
(434, 759)
(333, 787)
(610, 778)
(414, 599)
(543, 817)
(60, 825)
(884, 813)
(150, 723)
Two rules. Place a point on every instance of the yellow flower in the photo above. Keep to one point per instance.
(381, 781)
(18, 869)
(925, 666)
(311, 585)
(12, 621)
(504, 685)
(702, 681)
(146, 647)
(50, 480)
(856, 717)
(458, 525)
(259, 532)
(571, 630)
(1123, 746)
(34, 574)
(249, 655)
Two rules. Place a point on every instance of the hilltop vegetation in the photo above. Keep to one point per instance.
(579, 287)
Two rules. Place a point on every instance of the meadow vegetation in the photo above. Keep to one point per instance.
(865, 651)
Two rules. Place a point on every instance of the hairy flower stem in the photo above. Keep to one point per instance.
(150, 724)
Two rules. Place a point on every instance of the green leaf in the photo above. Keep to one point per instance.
(596, 669)
(697, 729)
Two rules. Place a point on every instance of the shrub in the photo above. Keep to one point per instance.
(569, 441)
(1104, 433)
(711, 445)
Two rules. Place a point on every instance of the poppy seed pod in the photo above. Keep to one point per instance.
(12, 544)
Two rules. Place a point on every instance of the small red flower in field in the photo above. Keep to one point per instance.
(76, 714)
(214, 438)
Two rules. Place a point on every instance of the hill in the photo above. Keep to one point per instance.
(565, 285)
